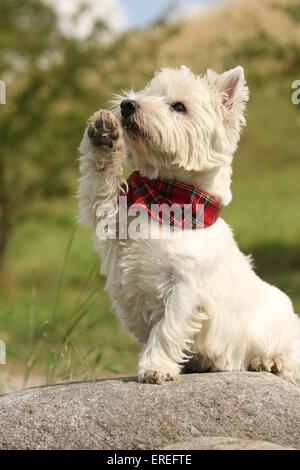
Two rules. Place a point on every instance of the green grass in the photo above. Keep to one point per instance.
(54, 314)
(56, 317)
(266, 222)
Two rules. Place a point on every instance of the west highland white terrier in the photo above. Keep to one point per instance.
(192, 298)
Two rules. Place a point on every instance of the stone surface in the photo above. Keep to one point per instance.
(122, 414)
(224, 443)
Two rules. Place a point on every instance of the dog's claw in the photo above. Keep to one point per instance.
(266, 364)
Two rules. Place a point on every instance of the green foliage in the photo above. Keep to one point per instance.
(265, 59)
(53, 84)
(43, 71)
(292, 10)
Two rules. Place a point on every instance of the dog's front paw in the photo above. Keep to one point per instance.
(104, 129)
(154, 377)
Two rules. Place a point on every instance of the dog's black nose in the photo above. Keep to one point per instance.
(128, 107)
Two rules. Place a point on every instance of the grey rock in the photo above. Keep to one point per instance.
(224, 443)
(122, 414)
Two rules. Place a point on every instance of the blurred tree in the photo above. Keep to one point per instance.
(54, 82)
(47, 102)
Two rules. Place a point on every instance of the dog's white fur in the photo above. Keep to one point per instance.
(196, 294)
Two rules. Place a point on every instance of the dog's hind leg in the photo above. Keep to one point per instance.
(102, 151)
(171, 338)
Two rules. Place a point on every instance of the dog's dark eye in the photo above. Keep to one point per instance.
(179, 107)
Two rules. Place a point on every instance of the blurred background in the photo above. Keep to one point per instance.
(61, 60)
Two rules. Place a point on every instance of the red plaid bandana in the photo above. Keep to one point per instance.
(195, 208)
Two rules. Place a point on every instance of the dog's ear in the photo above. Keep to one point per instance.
(233, 88)
(233, 94)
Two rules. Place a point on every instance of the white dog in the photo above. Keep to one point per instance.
(195, 296)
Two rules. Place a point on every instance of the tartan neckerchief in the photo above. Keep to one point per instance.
(152, 193)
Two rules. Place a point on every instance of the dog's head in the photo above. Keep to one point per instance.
(184, 120)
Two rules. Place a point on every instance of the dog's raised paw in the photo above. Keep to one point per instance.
(103, 129)
(266, 364)
(154, 377)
